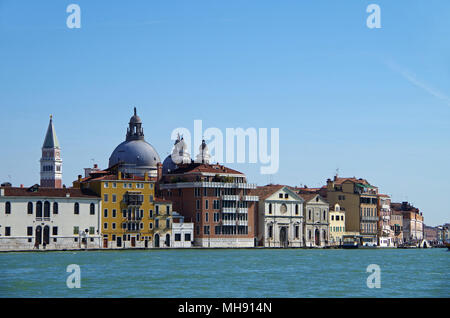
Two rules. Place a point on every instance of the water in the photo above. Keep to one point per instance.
(227, 273)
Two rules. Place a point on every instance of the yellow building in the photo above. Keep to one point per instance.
(337, 224)
(131, 216)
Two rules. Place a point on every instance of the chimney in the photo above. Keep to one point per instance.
(95, 166)
(21, 185)
(79, 178)
(159, 171)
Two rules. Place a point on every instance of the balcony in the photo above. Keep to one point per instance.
(229, 222)
(253, 198)
(242, 210)
(133, 199)
(227, 197)
(228, 210)
(180, 185)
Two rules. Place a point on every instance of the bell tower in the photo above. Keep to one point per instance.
(51, 163)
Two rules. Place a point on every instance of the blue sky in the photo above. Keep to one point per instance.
(372, 102)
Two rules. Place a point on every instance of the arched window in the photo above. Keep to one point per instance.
(76, 208)
(30, 207)
(324, 214)
(55, 207)
(296, 209)
(309, 214)
(8, 207)
(46, 209)
(92, 209)
(39, 209)
(270, 208)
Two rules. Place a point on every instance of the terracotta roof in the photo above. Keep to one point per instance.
(203, 168)
(266, 191)
(49, 192)
(354, 180)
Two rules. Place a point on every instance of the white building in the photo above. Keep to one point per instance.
(280, 217)
(182, 232)
(316, 225)
(48, 218)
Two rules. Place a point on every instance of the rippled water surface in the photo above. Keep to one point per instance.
(227, 273)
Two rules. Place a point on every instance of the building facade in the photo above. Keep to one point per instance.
(131, 214)
(216, 198)
(182, 231)
(337, 225)
(359, 199)
(280, 217)
(412, 222)
(49, 218)
(316, 220)
(385, 234)
(396, 222)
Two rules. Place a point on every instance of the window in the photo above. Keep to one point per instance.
(187, 237)
(76, 230)
(106, 184)
(157, 209)
(151, 198)
(55, 230)
(270, 208)
(168, 223)
(7, 231)
(297, 231)
(206, 204)
(105, 213)
(105, 226)
(167, 209)
(150, 213)
(8, 207)
(309, 214)
(29, 230)
(207, 217)
(114, 185)
(198, 216)
(206, 230)
(46, 209)
(76, 208)
(150, 226)
(197, 204)
(114, 198)
(332, 218)
(280, 195)
(114, 226)
(324, 214)
(113, 237)
(39, 209)
(92, 209)
(30, 207)
(286, 195)
(296, 209)
(105, 197)
(157, 223)
(177, 237)
(114, 213)
(270, 230)
(55, 207)
(91, 230)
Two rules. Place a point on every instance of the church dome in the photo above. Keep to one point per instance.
(168, 165)
(135, 152)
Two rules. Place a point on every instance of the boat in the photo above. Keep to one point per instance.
(448, 245)
(350, 241)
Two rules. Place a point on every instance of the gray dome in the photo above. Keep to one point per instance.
(138, 152)
(168, 165)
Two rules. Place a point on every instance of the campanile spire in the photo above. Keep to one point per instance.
(51, 163)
